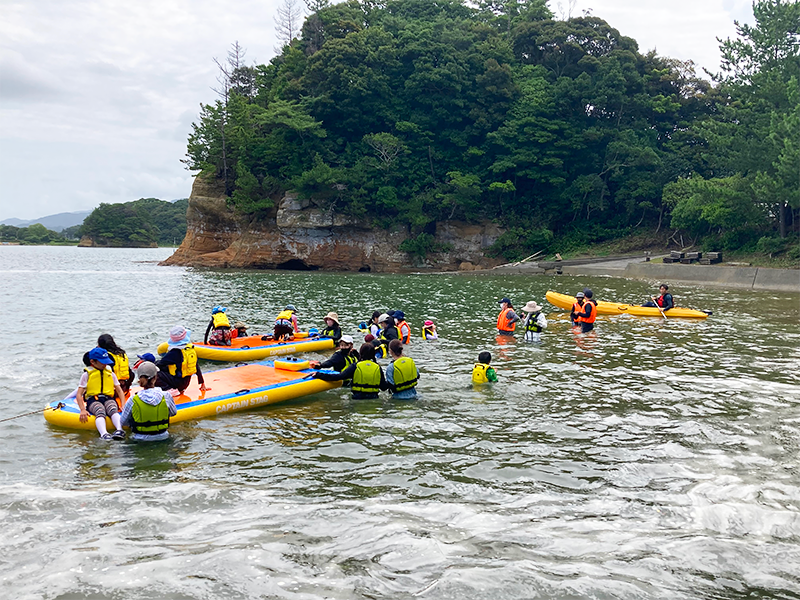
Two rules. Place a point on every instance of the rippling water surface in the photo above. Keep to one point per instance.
(649, 459)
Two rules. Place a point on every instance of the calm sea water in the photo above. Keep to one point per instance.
(649, 459)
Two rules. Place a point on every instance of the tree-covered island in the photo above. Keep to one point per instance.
(408, 113)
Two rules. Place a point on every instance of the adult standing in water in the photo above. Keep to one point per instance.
(507, 319)
(402, 374)
(535, 322)
(367, 375)
(587, 317)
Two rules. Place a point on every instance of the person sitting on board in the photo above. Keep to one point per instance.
(121, 366)
(507, 319)
(147, 412)
(367, 375)
(178, 365)
(143, 358)
(332, 328)
(239, 330)
(429, 331)
(664, 301)
(341, 359)
(586, 317)
(535, 322)
(220, 328)
(96, 392)
(482, 372)
(286, 324)
(402, 374)
(403, 328)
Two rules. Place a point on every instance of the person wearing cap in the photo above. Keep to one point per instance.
(429, 331)
(402, 374)
(121, 366)
(403, 328)
(577, 308)
(147, 412)
(507, 319)
(588, 314)
(220, 328)
(286, 323)
(179, 363)
(341, 359)
(332, 328)
(146, 357)
(96, 392)
(534, 323)
(366, 374)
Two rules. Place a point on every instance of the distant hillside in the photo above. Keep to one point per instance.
(147, 222)
(57, 222)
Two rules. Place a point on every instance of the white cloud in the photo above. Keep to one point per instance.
(97, 97)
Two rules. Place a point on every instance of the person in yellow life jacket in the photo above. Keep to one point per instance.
(220, 328)
(535, 322)
(507, 319)
(147, 412)
(332, 328)
(286, 324)
(588, 315)
(402, 374)
(367, 375)
(341, 359)
(179, 363)
(482, 372)
(429, 331)
(403, 328)
(121, 367)
(96, 392)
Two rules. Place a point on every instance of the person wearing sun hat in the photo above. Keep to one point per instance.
(220, 328)
(96, 392)
(332, 328)
(179, 363)
(534, 323)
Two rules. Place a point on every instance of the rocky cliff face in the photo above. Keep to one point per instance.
(304, 238)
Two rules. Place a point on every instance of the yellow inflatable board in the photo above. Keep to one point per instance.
(230, 390)
(255, 347)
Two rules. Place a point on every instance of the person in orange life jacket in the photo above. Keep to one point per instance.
(586, 317)
(577, 308)
(341, 359)
(664, 301)
(144, 412)
(96, 392)
(220, 328)
(332, 328)
(403, 328)
(507, 319)
(121, 366)
(179, 363)
(402, 374)
(367, 375)
(429, 331)
(286, 323)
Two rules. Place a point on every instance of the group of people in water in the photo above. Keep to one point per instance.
(103, 390)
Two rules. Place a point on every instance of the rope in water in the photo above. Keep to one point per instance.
(34, 412)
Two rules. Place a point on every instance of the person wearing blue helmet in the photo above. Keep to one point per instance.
(220, 328)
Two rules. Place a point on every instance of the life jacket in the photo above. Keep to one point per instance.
(149, 419)
(404, 331)
(502, 321)
(405, 374)
(367, 378)
(284, 318)
(99, 382)
(592, 313)
(428, 332)
(328, 332)
(349, 359)
(189, 365)
(578, 308)
(479, 373)
(383, 337)
(531, 324)
(121, 366)
(220, 319)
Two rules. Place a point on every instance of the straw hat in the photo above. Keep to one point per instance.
(531, 307)
(333, 316)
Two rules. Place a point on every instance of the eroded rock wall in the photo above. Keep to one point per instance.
(299, 236)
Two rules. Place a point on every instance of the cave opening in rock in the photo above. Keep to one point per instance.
(295, 264)
(364, 269)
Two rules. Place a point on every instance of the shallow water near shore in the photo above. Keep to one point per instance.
(648, 459)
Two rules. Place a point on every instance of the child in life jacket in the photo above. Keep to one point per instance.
(147, 412)
(96, 394)
(121, 366)
(220, 328)
(429, 331)
(482, 372)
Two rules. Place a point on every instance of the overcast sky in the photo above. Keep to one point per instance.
(97, 97)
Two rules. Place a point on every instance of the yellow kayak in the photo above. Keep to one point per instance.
(230, 390)
(255, 347)
(615, 308)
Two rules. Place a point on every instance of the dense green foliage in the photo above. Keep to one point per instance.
(36, 234)
(142, 223)
(409, 112)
